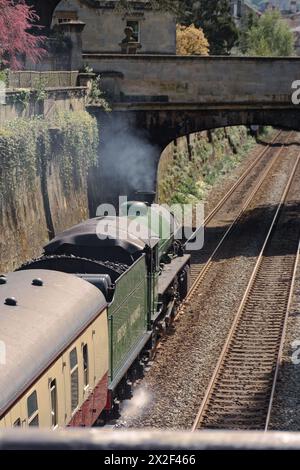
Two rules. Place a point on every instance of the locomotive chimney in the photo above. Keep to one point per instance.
(147, 197)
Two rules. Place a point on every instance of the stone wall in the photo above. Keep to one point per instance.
(20, 104)
(48, 79)
(24, 225)
(43, 181)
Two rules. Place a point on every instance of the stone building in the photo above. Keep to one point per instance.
(240, 9)
(154, 31)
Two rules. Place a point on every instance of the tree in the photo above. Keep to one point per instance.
(191, 40)
(16, 41)
(215, 19)
(270, 36)
(247, 23)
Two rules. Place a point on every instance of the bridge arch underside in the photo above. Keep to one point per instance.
(164, 126)
(132, 142)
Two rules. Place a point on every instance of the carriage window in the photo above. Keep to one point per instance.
(17, 423)
(85, 358)
(74, 379)
(32, 410)
(53, 398)
(34, 421)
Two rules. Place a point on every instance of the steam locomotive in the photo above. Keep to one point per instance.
(78, 324)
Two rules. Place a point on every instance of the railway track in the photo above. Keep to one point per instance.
(242, 387)
(223, 219)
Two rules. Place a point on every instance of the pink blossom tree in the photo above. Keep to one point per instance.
(16, 35)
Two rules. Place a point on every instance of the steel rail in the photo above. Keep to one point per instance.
(282, 340)
(202, 409)
(241, 179)
(253, 193)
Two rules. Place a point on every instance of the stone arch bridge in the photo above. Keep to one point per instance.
(156, 99)
(173, 95)
(159, 98)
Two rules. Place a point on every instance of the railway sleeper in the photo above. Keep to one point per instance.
(236, 402)
(246, 373)
(244, 389)
(253, 351)
(233, 419)
(237, 410)
(250, 383)
(252, 355)
(238, 338)
(236, 427)
(224, 398)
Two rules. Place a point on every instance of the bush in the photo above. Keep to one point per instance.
(270, 36)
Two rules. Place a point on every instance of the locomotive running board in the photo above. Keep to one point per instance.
(170, 271)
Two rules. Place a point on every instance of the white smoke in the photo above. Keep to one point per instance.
(128, 160)
(137, 405)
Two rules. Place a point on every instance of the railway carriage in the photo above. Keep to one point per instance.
(141, 276)
(55, 368)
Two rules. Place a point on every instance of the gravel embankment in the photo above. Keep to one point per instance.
(174, 386)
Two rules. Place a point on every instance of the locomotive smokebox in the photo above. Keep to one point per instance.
(148, 197)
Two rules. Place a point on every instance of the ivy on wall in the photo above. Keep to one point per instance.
(76, 146)
(27, 146)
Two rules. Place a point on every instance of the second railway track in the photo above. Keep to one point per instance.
(229, 210)
(241, 390)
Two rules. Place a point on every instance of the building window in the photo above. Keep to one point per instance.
(85, 358)
(135, 25)
(53, 399)
(236, 8)
(66, 16)
(32, 410)
(74, 379)
(239, 9)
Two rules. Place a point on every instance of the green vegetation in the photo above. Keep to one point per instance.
(27, 145)
(22, 97)
(269, 35)
(215, 19)
(4, 75)
(96, 95)
(212, 158)
(77, 145)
